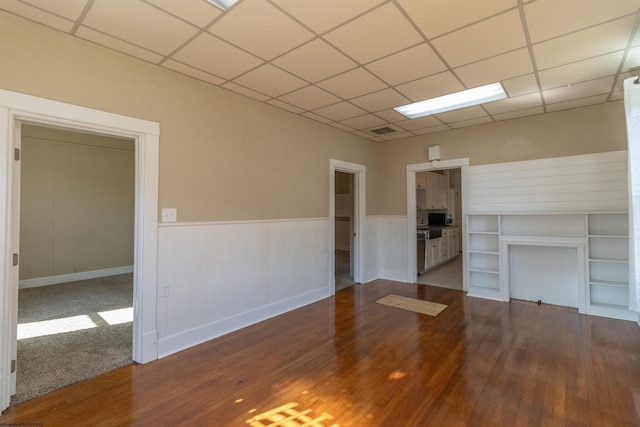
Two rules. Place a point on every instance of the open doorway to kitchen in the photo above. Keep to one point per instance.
(344, 226)
(435, 198)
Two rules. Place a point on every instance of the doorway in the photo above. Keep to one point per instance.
(75, 295)
(356, 177)
(17, 108)
(453, 266)
(344, 229)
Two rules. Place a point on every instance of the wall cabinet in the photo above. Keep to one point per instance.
(437, 190)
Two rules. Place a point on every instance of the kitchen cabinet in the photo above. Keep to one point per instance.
(437, 190)
(442, 249)
(421, 180)
(434, 252)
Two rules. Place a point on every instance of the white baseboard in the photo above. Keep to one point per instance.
(72, 277)
(397, 276)
(175, 343)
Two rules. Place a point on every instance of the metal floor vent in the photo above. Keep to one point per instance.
(382, 131)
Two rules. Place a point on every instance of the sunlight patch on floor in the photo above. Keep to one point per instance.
(54, 326)
(287, 416)
(117, 317)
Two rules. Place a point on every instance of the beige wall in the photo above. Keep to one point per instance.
(222, 156)
(225, 157)
(77, 209)
(593, 129)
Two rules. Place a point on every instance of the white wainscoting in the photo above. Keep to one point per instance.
(589, 182)
(215, 278)
(371, 249)
(392, 248)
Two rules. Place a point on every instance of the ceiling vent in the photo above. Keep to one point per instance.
(382, 131)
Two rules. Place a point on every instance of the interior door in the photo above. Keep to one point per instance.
(15, 251)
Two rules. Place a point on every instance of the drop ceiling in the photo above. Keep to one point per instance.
(347, 63)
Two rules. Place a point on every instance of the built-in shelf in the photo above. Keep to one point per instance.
(602, 241)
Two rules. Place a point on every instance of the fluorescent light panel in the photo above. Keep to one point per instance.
(223, 4)
(453, 101)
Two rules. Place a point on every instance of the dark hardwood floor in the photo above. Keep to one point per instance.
(347, 361)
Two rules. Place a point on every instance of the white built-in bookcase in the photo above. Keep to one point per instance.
(601, 243)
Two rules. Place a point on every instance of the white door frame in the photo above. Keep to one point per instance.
(17, 108)
(359, 184)
(463, 165)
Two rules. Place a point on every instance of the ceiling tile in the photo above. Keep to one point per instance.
(430, 87)
(392, 136)
(632, 60)
(315, 61)
(192, 72)
(438, 17)
(621, 78)
(392, 116)
(584, 44)
(589, 69)
(378, 101)
(498, 68)
(340, 111)
(37, 15)
(514, 104)
(410, 64)
(197, 12)
(69, 9)
(363, 122)
(244, 91)
(324, 15)
(368, 37)
(471, 122)
(552, 18)
(462, 114)
(270, 80)
(419, 123)
(117, 44)
(310, 98)
(582, 102)
(285, 106)
(579, 90)
(142, 25)
(482, 40)
(261, 29)
(432, 129)
(520, 113)
(205, 51)
(616, 96)
(318, 118)
(520, 85)
(353, 83)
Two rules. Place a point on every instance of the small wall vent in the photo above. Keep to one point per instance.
(382, 131)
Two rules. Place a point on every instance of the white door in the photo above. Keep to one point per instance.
(15, 255)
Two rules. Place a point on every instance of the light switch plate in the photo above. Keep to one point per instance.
(169, 214)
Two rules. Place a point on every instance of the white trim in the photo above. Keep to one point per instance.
(463, 165)
(556, 242)
(252, 221)
(360, 175)
(73, 277)
(175, 343)
(16, 108)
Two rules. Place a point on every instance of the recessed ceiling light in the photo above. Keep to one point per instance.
(454, 101)
(223, 4)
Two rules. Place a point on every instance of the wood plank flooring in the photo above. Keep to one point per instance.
(347, 361)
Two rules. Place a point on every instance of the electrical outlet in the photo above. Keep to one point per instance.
(169, 214)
